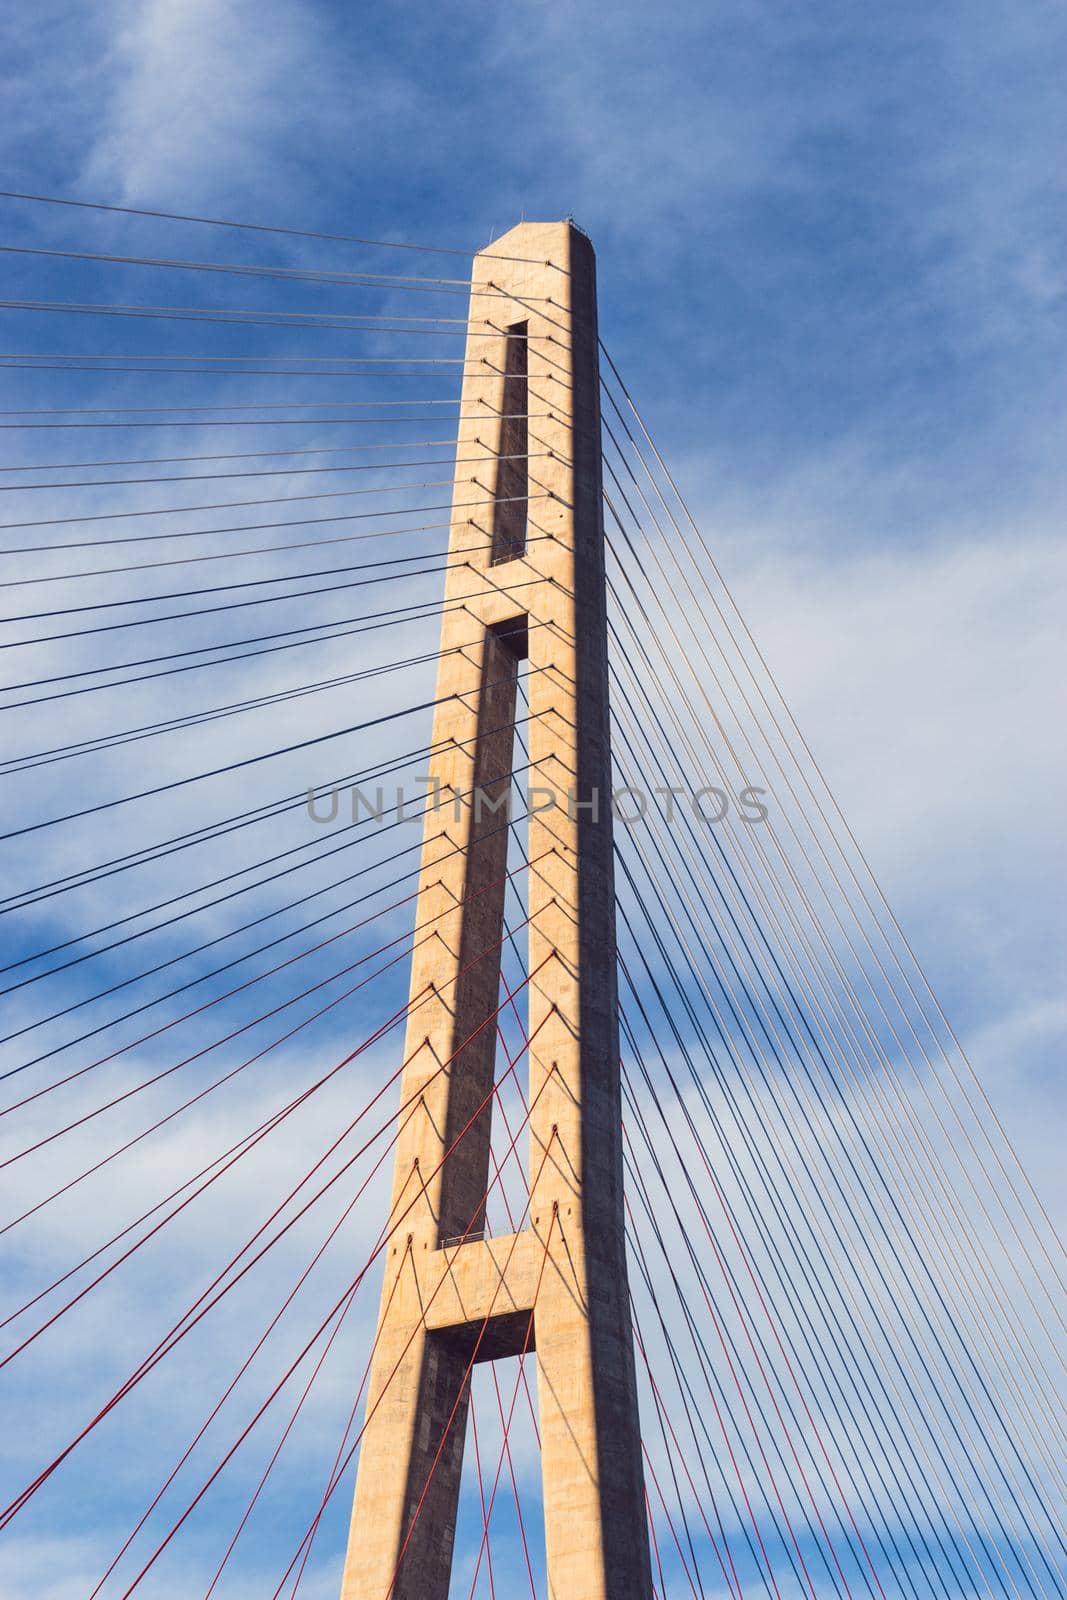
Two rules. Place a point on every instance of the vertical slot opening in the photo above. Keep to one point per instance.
(510, 1137)
(475, 997)
(513, 478)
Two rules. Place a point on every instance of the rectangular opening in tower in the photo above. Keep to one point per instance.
(510, 1130)
(479, 1012)
(511, 511)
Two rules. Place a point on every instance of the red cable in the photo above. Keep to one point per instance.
(470, 1367)
(655, 1546)
(507, 1208)
(355, 1404)
(506, 1448)
(661, 1411)
(242, 1147)
(515, 1395)
(253, 1022)
(777, 1410)
(210, 1088)
(796, 1383)
(485, 1514)
(511, 1467)
(247, 1362)
(336, 1476)
(89, 1286)
(774, 1402)
(243, 1065)
(132, 1044)
(670, 1521)
(751, 1421)
(356, 1281)
(301, 955)
(242, 1436)
(249, 1139)
(730, 1451)
(157, 1353)
(225, 1038)
(145, 1038)
(281, 1442)
(177, 1332)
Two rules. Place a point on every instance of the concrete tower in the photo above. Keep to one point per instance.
(530, 408)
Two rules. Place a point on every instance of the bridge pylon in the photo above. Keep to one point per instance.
(525, 581)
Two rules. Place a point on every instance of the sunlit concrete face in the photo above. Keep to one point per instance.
(559, 1285)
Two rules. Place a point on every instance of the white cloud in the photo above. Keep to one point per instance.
(198, 90)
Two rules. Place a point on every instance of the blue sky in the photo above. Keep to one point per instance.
(831, 260)
(852, 215)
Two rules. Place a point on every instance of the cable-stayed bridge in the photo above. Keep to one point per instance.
(473, 1124)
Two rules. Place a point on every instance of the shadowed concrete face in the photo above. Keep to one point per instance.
(558, 1286)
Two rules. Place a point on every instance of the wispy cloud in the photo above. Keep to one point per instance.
(204, 99)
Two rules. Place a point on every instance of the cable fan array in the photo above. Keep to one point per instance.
(846, 1296)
